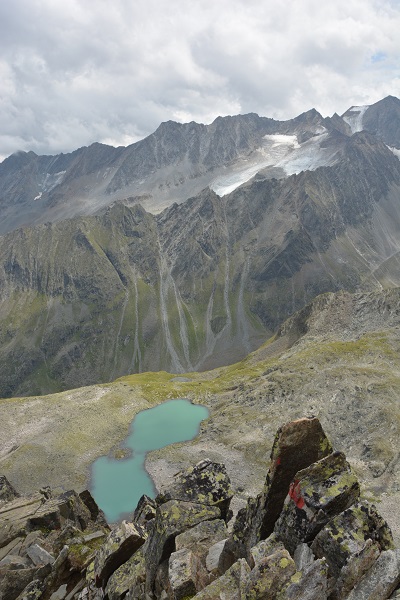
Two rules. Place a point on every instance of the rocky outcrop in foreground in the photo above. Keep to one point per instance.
(307, 536)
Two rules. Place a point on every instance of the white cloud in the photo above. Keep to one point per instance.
(80, 71)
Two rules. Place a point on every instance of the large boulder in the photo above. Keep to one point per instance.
(172, 518)
(316, 495)
(128, 576)
(351, 543)
(200, 538)
(121, 543)
(297, 445)
(380, 580)
(309, 584)
(205, 483)
(270, 576)
(232, 585)
(186, 574)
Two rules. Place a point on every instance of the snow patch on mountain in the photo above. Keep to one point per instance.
(51, 180)
(280, 151)
(395, 151)
(354, 117)
(309, 156)
(274, 148)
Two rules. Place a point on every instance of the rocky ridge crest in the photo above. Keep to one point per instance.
(308, 536)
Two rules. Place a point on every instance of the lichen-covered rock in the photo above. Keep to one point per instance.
(145, 511)
(200, 538)
(380, 580)
(303, 556)
(33, 591)
(232, 585)
(316, 495)
(184, 550)
(128, 575)
(351, 543)
(186, 574)
(356, 566)
(310, 584)
(172, 518)
(270, 575)
(205, 483)
(297, 445)
(161, 583)
(265, 548)
(347, 534)
(121, 543)
(13, 582)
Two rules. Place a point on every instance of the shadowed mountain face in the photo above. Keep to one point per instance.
(204, 282)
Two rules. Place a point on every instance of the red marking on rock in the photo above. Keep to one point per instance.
(295, 494)
(278, 461)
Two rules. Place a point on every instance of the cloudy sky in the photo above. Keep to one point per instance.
(77, 71)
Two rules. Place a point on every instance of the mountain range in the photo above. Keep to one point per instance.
(188, 249)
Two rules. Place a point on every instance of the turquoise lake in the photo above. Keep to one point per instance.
(117, 485)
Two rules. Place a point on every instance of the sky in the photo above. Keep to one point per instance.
(74, 72)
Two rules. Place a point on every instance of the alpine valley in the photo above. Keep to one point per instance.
(278, 213)
(250, 265)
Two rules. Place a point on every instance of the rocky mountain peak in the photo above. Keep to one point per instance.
(175, 162)
(382, 119)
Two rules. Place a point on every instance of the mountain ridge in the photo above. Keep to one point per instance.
(202, 283)
(173, 163)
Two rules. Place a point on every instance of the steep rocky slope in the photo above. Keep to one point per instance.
(201, 284)
(338, 359)
(173, 163)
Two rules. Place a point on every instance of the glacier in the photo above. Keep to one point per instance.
(280, 151)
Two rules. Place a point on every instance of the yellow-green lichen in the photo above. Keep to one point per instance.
(284, 562)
